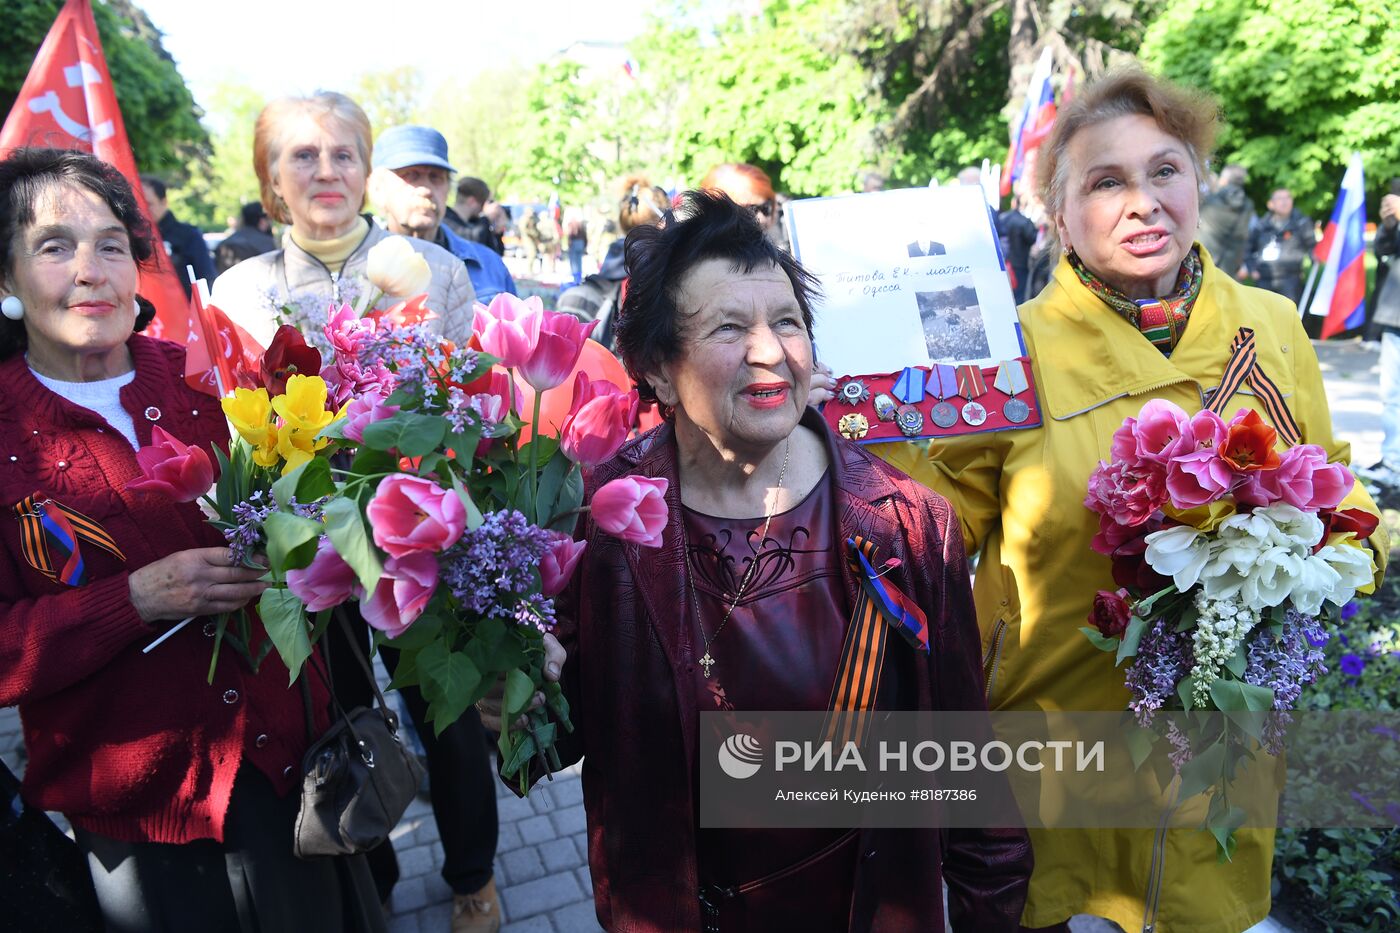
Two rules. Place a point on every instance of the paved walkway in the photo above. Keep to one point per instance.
(541, 859)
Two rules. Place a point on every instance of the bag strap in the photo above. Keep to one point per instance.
(339, 614)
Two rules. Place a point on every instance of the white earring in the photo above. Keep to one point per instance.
(12, 307)
(136, 307)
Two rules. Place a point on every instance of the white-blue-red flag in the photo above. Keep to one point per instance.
(1341, 290)
(1033, 124)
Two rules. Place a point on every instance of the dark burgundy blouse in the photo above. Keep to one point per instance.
(778, 651)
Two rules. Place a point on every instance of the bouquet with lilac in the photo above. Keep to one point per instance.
(1228, 556)
(446, 515)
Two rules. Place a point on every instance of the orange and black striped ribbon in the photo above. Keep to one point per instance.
(1244, 367)
(51, 536)
(862, 658)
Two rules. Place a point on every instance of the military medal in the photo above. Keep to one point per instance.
(909, 387)
(853, 392)
(853, 426)
(943, 385)
(1011, 380)
(910, 420)
(971, 386)
(885, 408)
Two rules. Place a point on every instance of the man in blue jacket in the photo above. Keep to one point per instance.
(410, 185)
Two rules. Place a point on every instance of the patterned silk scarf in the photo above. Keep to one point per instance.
(1161, 320)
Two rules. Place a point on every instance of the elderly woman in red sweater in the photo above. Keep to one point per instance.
(179, 790)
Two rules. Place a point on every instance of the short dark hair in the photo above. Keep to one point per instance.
(25, 176)
(706, 225)
(252, 214)
(469, 187)
(155, 184)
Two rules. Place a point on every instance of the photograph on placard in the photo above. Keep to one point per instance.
(952, 319)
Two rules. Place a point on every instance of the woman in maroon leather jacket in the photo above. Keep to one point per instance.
(745, 606)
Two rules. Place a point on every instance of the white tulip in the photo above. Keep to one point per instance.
(1178, 552)
(397, 269)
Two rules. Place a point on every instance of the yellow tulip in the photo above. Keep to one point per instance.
(1204, 518)
(250, 411)
(303, 407)
(266, 455)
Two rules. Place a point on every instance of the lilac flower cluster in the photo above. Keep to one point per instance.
(460, 412)
(246, 537)
(1286, 661)
(493, 570)
(1164, 657)
(417, 358)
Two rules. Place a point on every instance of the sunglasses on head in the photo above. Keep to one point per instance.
(766, 208)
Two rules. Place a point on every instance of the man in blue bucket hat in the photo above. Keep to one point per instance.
(410, 184)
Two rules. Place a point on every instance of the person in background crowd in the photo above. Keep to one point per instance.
(466, 219)
(182, 792)
(311, 155)
(600, 295)
(576, 232)
(972, 175)
(1135, 312)
(716, 312)
(1385, 327)
(252, 238)
(1043, 254)
(1017, 234)
(1226, 218)
(184, 244)
(872, 181)
(410, 184)
(749, 187)
(499, 218)
(1278, 244)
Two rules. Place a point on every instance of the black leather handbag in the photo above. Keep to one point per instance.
(358, 778)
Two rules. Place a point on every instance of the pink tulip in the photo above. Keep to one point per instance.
(1203, 431)
(326, 582)
(557, 352)
(1158, 430)
(402, 594)
(1197, 478)
(632, 508)
(509, 329)
(601, 417)
(1305, 480)
(364, 411)
(410, 514)
(347, 332)
(180, 471)
(558, 563)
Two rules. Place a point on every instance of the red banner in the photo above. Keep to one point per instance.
(68, 102)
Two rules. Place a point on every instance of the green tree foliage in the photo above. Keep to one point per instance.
(161, 118)
(483, 119)
(214, 194)
(559, 146)
(1302, 85)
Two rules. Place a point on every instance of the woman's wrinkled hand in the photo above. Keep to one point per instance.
(823, 388)
(489, 706)
(198, 582)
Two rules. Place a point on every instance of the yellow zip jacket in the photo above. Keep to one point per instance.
(1020, 497)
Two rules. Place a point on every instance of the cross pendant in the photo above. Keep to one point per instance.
(706, 662)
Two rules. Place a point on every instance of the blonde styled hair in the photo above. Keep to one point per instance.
(1189, 115)
(269, 138)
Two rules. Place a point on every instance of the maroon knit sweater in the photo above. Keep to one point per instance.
(136, 747)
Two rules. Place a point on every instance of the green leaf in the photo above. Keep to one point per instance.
(547, 446)
(223, 490)
(1098, 639)
(517, 748)
(520, 689)
(1223, 829)
(307, 483)
(411, 433)
(1231, 695)
(449, 680)
(1204, 770)
(1137, 625)
(370, 461)
(406, 673)
(1238, 662)
(1140, 742)
(568, 503)
(474, 516)
(1184, 691)
(551, 481)
(424, 631)
(291, 541)
(345, 525)
(335, 430)
(1144, 606)
(285, 622)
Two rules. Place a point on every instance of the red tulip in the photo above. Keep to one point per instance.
(1249, 444)
(180, 471)
(287, 356)
(632, 508)
(404, 314)
(557, 351)
(558, 563)
(599, 421)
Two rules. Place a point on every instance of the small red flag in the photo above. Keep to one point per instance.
(67, 102)
(220, 356)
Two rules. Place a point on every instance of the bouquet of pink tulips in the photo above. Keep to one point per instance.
(404, 480)
(1229, 556)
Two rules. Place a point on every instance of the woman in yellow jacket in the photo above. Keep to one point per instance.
(1136, 311)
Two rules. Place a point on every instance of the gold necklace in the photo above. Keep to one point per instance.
(706, 660)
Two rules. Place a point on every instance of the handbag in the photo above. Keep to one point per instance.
(358, 778)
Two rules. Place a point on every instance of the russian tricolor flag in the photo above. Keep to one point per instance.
(1033, 124)
(1341, 293)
